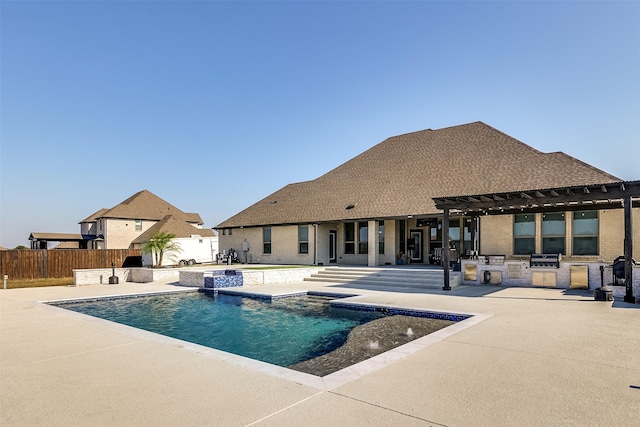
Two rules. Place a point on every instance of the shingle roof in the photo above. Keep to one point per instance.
(175, 225)
(93, 217)
(401, 175)
(144, 205)
(57, 237)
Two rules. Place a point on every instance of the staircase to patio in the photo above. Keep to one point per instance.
(386, 278)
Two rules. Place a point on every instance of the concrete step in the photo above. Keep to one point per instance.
(378, 279)
(384, 277)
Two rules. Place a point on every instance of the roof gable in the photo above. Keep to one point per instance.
(174, 225)
(401, 175)
(146, 205)
(94, 217)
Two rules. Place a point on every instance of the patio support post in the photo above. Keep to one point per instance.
(628, 251)
(445, 249)
(373, 257)
(474, 244)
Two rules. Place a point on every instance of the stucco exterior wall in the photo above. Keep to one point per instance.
(612, 234)
(284, 245)
(389, 256)
(496, 235)
(119, 233)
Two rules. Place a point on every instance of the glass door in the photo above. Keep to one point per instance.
(333, 245)
(415, 246)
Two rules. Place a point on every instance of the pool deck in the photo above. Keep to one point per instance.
(537, 357)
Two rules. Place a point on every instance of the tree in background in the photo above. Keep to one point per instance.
(160, 244)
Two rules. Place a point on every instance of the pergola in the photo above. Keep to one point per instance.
(611, 195)
(41, 240)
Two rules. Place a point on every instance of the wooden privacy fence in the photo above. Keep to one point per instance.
(43, 264)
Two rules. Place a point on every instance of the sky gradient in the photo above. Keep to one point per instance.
(214, 105)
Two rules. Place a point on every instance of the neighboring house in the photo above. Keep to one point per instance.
(129, 224)
(118, 227)
(195, 245)
(378, 207)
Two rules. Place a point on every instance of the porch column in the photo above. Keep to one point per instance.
(628, 251)
(374, 240)
(474, 240)
(445, 249)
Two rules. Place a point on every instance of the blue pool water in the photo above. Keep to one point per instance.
(282, 332)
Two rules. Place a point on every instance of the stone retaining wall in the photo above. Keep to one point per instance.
(100, 276)
(134, 274)
(146, 275)
(251, 277)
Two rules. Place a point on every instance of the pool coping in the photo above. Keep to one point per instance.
(327, 382)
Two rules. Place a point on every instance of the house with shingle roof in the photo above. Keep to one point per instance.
(132, 223)
(126, 225)
(378, 207)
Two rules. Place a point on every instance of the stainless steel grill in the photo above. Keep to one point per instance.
(545, 261)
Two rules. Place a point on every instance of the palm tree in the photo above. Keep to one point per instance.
(159, 244)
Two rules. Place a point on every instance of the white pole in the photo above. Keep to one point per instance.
(5, 281)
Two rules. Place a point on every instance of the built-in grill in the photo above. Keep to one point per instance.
(545, 260)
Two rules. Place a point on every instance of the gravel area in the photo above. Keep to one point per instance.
(370, 339)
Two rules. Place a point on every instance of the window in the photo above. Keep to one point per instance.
(585, 233)
(224, 231)
(138, 225)
(349, 238)
(363, 238)
(524, 234)
(553, 233)
(231, 232)
(403, 233)
(381, 237)
(468, 226)
(436, 232)
(303, 239)
(266, 240)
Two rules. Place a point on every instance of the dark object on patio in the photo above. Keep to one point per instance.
(132, 261)
(618, 269)
(113, 280)
(603, 293)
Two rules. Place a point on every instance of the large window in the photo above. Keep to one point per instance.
(381, 237)
(349, 238)
(585, 233)
(524, 234)
(266, 240)
(363, 237)
(303, 239)
(553, 230)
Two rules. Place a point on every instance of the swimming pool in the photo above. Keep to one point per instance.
(305, 333)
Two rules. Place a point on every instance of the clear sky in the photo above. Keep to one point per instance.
(214, 105)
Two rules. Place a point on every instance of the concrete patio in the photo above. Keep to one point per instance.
(541, 357)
